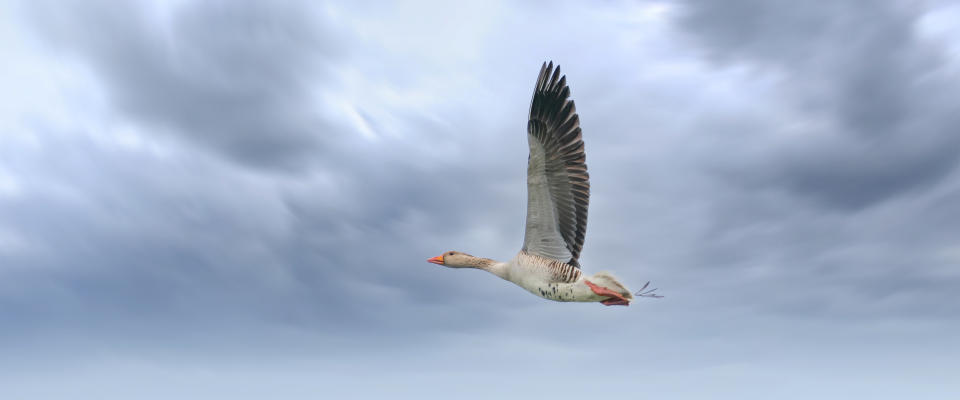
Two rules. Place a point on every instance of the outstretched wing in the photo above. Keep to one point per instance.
(558, 186)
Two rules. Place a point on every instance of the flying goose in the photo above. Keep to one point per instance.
(558, 193)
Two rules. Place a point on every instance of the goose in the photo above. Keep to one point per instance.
(558, 193)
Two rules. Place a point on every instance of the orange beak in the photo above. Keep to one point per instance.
(436, 260)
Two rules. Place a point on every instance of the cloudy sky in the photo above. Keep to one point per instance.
(213, 199)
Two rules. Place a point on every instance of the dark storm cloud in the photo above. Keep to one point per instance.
(182, 247)
(880, 111)
(159, 241)
(817, 187)
(237, 80)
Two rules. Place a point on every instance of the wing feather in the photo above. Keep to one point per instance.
(558, 185)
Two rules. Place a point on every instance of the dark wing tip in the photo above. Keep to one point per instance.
(549, 76)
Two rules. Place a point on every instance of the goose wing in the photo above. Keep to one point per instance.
(558, 186)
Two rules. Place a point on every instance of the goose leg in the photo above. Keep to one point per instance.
(615, 298)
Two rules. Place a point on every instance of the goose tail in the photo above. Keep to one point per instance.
(608, 281)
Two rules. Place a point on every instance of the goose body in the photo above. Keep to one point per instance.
(558, 195)
(552, 279)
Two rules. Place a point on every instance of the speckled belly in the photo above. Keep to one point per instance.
(576, 291)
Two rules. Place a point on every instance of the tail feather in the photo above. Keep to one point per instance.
(607, 280)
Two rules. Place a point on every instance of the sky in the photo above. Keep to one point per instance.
(221, 199)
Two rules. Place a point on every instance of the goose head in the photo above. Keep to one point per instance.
(456, 259)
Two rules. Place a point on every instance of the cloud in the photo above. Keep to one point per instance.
(239, 81)
(821, 174)
(872, 99)
(302, 226)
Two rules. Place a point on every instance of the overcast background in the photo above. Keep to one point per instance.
(219, 199)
